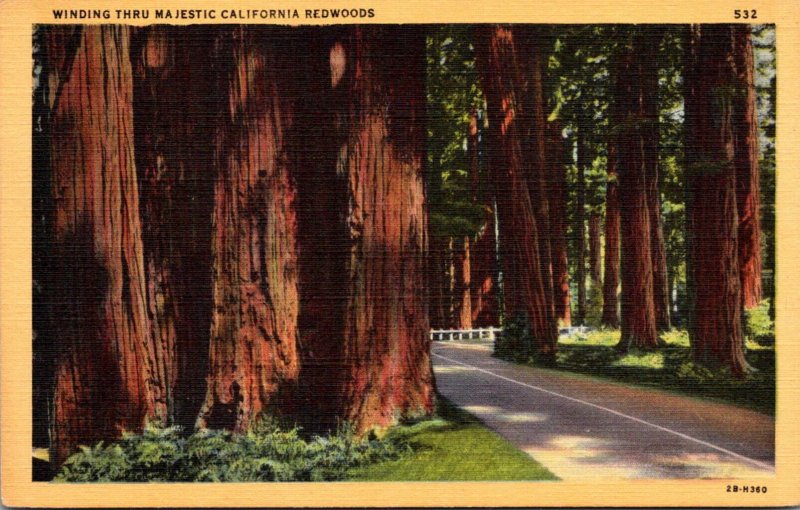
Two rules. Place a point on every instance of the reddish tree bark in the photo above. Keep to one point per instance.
(107, 375)
(524, 282)
(746, 147)
(482, 254)
(173, 142)
(594, 248)
(610, 316)
(463, 293)
(648, 48)
(253, 362)
(715, 329)
(556, 156)
(637, 311)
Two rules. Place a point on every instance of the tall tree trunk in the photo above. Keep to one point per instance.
(610, 316)
(558, 223)
(253, 362)
(715, 330)
(638, 311)
(173, 141)
(651, 40)
(523, 279)
(580, 219)
(107, 377)
(482, 254)
(746, 147)
(463, 294)
(594, 249)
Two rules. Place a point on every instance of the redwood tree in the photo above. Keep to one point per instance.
(173, 148)
(637, 310)
(746, 150)
(610, 316)
(107, 376)
(594, 248)
(715, 328)
(463, 293)
(580, 216)
(556, 162)
(524, 282)
(253, 362)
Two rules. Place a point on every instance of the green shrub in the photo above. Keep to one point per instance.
(266, 453)
(515, 342)
(759, 327)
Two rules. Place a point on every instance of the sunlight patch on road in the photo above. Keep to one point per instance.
(496, 413)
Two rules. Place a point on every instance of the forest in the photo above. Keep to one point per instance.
(239, 223)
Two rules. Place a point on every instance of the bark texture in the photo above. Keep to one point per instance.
(524, 282)
(594, 249)
(173, 151)
(580, 219)
(746, 148)
(715, 329)
(463, 294)
(637, 310)
(107, 375)
(253, 362)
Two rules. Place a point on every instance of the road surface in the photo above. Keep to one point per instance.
(581, 427)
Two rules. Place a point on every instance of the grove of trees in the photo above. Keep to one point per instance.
(233, 221)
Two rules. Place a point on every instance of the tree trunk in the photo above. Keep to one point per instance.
(594, 249)
(580, 220)
(463, 295)
(611, 278)
(482, 253)
(558, 223)
(173, 143)
(253, 363)
(107, 375)
(745, 132)
(524, 285)
(715, 330)
(638, 312)
(651, 39)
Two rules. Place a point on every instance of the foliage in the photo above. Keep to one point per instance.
(266, 453)
(671, 367)
(515, 343)
(453, 446)
(759, 326)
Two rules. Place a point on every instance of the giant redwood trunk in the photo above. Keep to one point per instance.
(463, 293)
(594, 248)
(172, 159)
(253, 362)
(745, 132)
(610, 316)
(647, 47)
(524, 282)
(107, 375)
(558, 223)
(385, 330)
(715, 329)
(637, 310)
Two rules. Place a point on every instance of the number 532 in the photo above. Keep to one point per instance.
(745, 14)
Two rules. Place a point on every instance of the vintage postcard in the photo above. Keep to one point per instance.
(399, 254)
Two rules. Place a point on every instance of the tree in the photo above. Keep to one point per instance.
(650, 40)
(253, 361)
(524, 285)
(463, 293)
(610, 317)
(580, 215)
(173, 146)
(715, 329)
(376, 353)
(106, 375)
(746, 148)
(556, 159)
(637, 310)
(594, 248)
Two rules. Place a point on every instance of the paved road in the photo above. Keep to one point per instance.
(582, 427)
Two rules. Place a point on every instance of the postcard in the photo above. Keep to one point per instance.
(341, 254)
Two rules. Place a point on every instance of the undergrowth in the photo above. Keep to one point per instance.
(266, 453)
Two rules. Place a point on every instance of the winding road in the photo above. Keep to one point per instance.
(582, 427)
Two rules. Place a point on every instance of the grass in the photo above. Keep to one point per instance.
(671, 368)
(453, 446)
